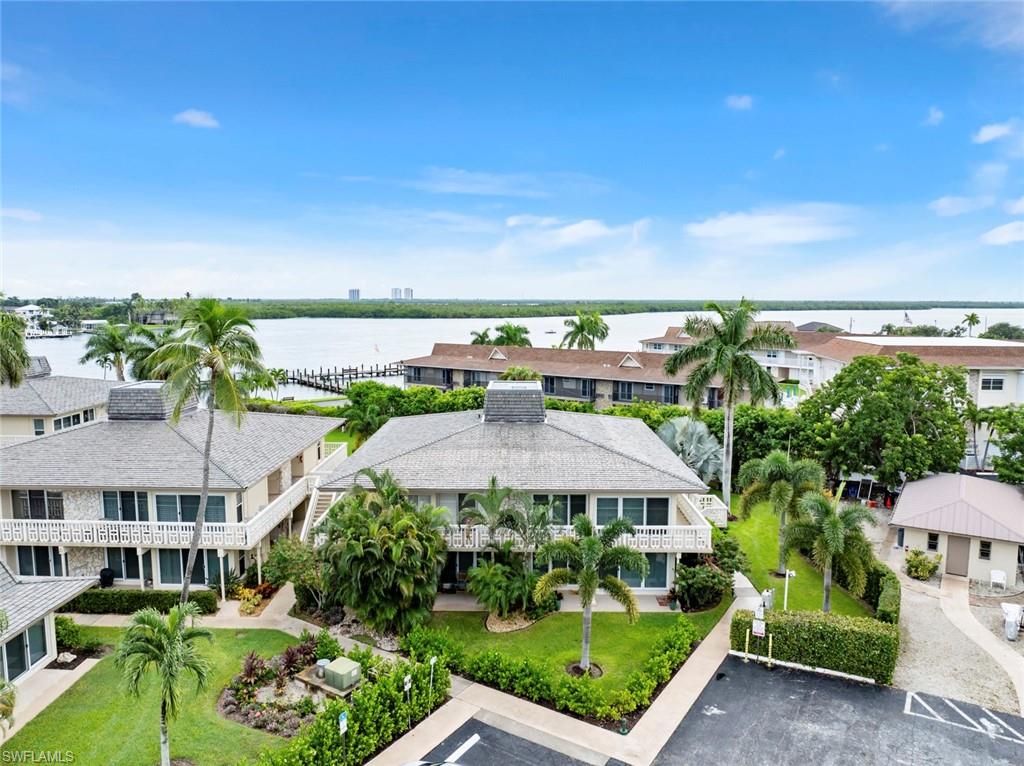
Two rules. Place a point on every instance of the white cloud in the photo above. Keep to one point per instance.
(992, 132)
(531, 220)
(532, 235)
(935, 116)
(196, 118)
(787, 225)
(1014, 206)
(779, 153)
(443, 180)
(1006, 234)
(953, 206)
(996, 25)
(21, 214)
(739, 101)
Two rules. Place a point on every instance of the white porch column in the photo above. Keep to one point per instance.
(223, 595)
(142, 571)
(63, 553)
(259, 562)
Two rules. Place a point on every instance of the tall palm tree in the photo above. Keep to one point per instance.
(167, 646)
(584, 330)
(832, 533)
(722, 348)
(693, 442)
(363, 421)
(494, 508)
(482, 337)
(510, 334)
(142, 343)
(14, 358)
(783, 483)
(206, 358)
(972, 320)
(109, 347)
(590, 556)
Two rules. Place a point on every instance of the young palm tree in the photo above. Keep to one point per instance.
(696, 446)
(520, 372)
(14, 358)
(722, 348)
(783, 483)
(590, 556)
(385, 492)
(512, 335)
(495, 508)
(584, 331)
(143, 342)
(167, 646)
(972, 320)
(363, 421)
(210, 353)
(109, 347)
(482, 338)
(832, 532)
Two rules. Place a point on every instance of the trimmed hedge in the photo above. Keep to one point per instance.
(529, 679)
(857, 645)
(888, 607)
(125, 601)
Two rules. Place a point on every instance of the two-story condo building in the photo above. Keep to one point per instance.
(601, 377)
(123, 492)
(605, 467)
(46, 404)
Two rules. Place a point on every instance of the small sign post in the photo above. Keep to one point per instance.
(758, 628)
(433, 661)
(343, 722)
(408, 696)
(759, 612)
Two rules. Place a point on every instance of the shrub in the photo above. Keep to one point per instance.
(727, 552)
(699, 587)
(250, 600)
(920, 565)
(422, 643)
(888, 607)
(254, 670)
(70, 635)
(327, 646)
(232, 582)
(123, 601)
(856, 645)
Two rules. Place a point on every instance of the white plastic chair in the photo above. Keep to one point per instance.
(997, 577)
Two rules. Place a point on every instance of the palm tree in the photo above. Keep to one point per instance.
(696, 446)
(482, 338)
(722, 349)
(169, 647)
(832, 533)
(494, 508)
(519, 372)
(208, 355)
(783, 483)
(512, 335)
(363, 421)
(590, 556)
(143, 343)
(972, 320)
(584, 331)
(14, 358)
(109, 346)
(385, 492)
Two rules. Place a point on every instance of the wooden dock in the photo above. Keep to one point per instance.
(337, 379)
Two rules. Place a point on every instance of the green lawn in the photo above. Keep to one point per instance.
(759, 538)
(100, 724)
(618, 647)
(341, 435)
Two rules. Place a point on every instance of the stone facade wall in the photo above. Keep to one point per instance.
(286, 475)
(86, 562)
(603, 394)
(83, 504)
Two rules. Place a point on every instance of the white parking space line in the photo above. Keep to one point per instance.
(462, 749)
(982, 726)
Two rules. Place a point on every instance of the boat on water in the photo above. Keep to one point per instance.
(550, 332)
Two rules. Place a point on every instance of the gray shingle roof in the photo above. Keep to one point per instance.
(26, 602)
(569, 451)
(38, 367)
(159, 454)
(54, 395)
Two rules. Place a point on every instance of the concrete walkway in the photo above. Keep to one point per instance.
(568, 735)
(37, 692)
(954, 598)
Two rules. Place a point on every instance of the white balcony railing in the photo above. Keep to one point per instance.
(126, 534)
(645, 538)
(710, 507)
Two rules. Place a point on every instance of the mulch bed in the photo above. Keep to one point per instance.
(80, 657)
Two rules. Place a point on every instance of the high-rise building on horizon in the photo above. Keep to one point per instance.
(396, 293)
(353, 295)
(407, 294)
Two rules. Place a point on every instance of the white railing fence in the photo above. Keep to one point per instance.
(645, 538)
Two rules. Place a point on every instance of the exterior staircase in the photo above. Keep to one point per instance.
(319, 503)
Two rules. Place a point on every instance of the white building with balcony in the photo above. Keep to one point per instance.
(123, 492)
(602, 466)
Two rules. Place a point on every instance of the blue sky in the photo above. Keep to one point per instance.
(802, 150)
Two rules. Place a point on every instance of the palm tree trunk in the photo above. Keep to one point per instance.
(782, 537)
(727, 458)
(193, 549)
(165, 743)
(588, 616)
(119, 366)
(826, 604)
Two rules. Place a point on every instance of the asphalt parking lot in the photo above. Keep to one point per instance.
(749, 714)
(477, 744)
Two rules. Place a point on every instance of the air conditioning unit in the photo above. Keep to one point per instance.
(342, 673)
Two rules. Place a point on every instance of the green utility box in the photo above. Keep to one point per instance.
(342, 673)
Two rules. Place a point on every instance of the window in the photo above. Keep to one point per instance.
(549, 384)
(657, 346)
(125, 506)
(648, 386)
(186, 508)
(38, 426)
(587, 388)
(563, 507)
(39, 561)
(76, 419)
(38, 504)
(88, 415)
(607, 509)
(622, 392)
(641, 511)
(772, 354)
(670, 394)
(414, 374)
(985, 550)
(933, 541)
(991, 384)
(657, 573)
(15, 657)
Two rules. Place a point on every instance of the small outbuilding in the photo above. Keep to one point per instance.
(976, 524)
